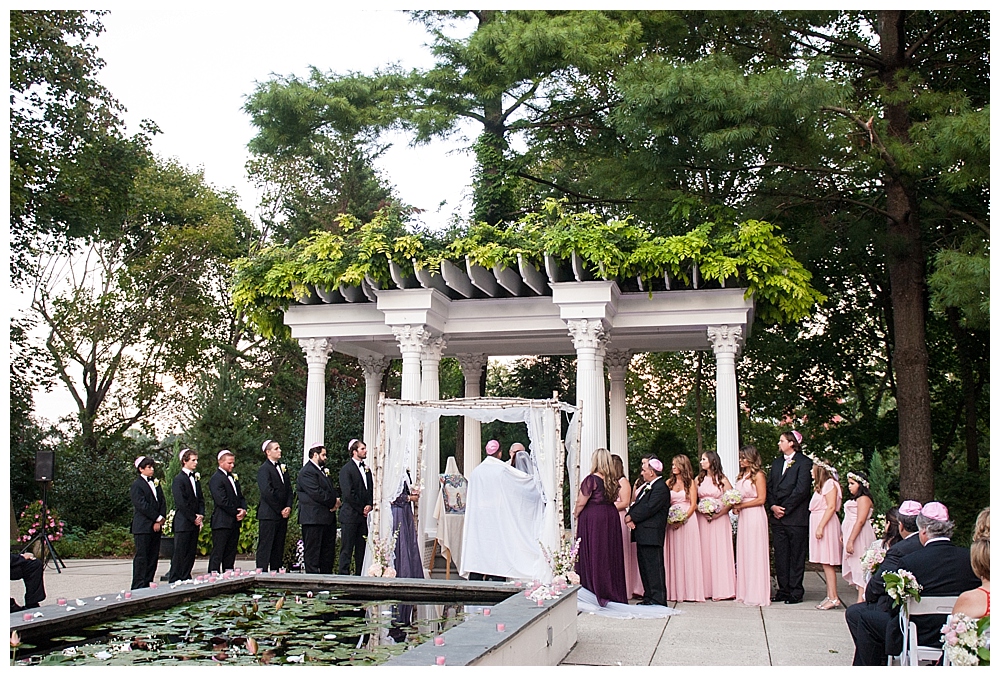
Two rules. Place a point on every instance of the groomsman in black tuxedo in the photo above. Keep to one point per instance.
(647, 518)
(189, 515)
(944, 569)
(356, 489)
(868, 620)
(318, 503)
(789, 488)
(150, 509)
(230, 508)
(275, 507)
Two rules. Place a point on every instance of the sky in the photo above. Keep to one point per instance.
(189, 72)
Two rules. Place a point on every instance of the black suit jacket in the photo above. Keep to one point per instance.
(188, 503)
(146, 508)
(317, 496)
(875, 589)
(790, 490)
(649, 513)
(275, 492)
(227, 501)
(355, 494)
(944, 570)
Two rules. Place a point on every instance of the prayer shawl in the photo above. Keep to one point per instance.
(503, 524)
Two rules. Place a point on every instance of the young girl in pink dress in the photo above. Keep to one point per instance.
(825, 545)
(682, 545)
(632, 581)
(753, 550)
(716, 531)
(857, 531)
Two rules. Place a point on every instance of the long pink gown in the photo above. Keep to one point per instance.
(851, 567)
(829, 549)
(753, 556)
(633, 583)
(682, 555)
(716, 547)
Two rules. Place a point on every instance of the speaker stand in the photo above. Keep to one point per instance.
(43, 535)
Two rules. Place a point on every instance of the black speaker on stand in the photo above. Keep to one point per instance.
(45, 474)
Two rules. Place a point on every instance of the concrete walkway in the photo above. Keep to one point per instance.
(711, 633)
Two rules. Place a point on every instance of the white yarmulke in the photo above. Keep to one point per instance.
(351, 443)
(222, 453)
(180, 456)
(139, 460)
(263, 446)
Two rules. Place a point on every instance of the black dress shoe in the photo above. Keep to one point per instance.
(778, 598)
(792, 601)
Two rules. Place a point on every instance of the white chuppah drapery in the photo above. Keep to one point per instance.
(399, 448)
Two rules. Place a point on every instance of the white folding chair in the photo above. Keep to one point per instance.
(914, 653)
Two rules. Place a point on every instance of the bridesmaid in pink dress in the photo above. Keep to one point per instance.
(632, 581)
(825, 546)
(753, 553)
(716, 531)
(682, 545)
(857, 531)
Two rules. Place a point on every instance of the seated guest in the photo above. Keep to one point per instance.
(868, 620)
(943, 569)
(976, 603)
(26, 567)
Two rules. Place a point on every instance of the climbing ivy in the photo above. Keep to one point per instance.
(750, 254)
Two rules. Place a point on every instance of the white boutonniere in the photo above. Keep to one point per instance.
(236, 477)
(326, 471)
(156, 482)
(790, 463)
(197, 476)
(282, 466)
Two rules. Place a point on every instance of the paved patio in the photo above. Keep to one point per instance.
(711, 633)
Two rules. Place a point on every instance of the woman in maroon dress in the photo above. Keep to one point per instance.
(601, 563)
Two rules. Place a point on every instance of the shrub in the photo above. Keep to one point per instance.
(109, 540)
(31, 519)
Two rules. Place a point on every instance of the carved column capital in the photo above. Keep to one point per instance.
(373, 365)
(472, 363)
(410, 338)
(587, 333)
(617, 361)
(432, 346)
(317, 350)
(725, 339)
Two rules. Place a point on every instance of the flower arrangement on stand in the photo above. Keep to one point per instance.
(30, 522)
(901, 586)
(562, 562)
(677, 514)
(382, 552)
(966, 641)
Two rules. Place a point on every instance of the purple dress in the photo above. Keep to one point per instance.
(408, 563)
(601, 563)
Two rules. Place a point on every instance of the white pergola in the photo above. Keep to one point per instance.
(476, 313)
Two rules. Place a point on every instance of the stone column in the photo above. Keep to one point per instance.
(317, 355)
(617, 362)
(588, 339)
(411, 344)
(472, 369)
(726, 342)
(372, 366)
(430, 385)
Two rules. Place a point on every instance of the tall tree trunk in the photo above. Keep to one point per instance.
(906, 267)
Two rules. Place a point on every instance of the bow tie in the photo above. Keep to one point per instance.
(149, 479)
(361, 464)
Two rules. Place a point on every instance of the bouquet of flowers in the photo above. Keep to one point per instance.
(901, 586)
(31, 519)
(872, 559)
(562, 562)
(880, 525)
(966, 641)
(732, 497)
(382, 553)
(676, 514)
(167, 529)
(709, 506)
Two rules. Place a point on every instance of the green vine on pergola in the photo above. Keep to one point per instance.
(751, 254)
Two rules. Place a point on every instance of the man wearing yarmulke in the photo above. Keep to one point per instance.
(942, 568)
(789, 487)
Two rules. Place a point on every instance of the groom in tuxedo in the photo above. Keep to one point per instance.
(647, 519)
(788, 492)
